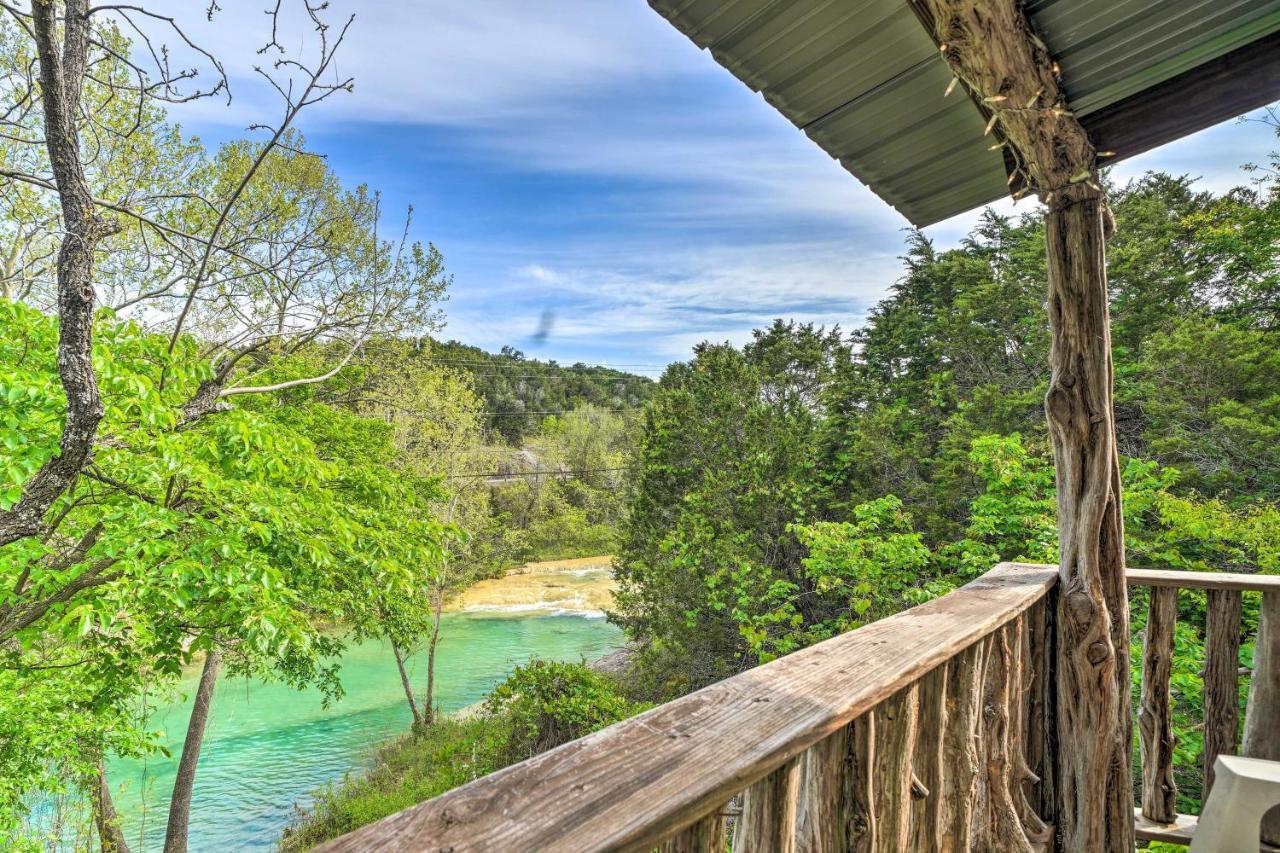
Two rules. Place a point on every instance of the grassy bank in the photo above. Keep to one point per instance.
(540, 706)
(406, 770)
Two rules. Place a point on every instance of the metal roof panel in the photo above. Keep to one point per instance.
(864, 80)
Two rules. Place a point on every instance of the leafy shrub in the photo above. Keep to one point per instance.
(546, 703)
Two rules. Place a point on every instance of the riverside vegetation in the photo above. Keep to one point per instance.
(229, 440)
(540, 706)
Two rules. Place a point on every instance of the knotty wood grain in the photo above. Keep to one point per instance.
(896, 720)
(965, 677)
(1221, 679)
(1155, 710)
(1001, 828)
(1022, 779)
(1036, 717)
(768, 820)
(930, 762)
(631, 785)
(705, 836)
(826, 780)
(863, 832)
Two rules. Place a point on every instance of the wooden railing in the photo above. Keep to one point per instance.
(925, 730)
(929, 730)
(1157, 817)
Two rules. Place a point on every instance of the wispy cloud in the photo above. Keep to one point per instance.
(580, 156)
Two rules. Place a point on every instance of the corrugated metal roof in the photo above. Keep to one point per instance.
(864, 80)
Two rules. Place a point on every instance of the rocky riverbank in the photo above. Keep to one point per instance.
(582, 586)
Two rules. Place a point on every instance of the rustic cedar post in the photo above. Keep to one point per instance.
(1262, 719)
(1155, 712)
(896, 728)
(1221, 679)
(1009, 73)
(930, 763)
(768, 820)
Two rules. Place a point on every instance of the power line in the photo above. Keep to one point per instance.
(501, 361)
(625, 378)
(498, 475)
(555, 412)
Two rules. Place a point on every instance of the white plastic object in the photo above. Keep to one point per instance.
(1244, 789)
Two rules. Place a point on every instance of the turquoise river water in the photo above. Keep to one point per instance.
(268, 746)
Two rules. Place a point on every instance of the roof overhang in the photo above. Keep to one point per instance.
(865, 81)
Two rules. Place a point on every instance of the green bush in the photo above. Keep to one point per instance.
(546, 703)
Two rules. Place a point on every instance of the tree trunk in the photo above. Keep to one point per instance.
(438, 607)
(105, 818)
(1092, 667)
(62, 70)
(1221, 681)
(175, 836)
(408, 687)
(1262, 720)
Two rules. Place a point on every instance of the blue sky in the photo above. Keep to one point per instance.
(581, 157)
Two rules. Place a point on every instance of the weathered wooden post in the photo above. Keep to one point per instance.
(1262, 720)
(1010, 75)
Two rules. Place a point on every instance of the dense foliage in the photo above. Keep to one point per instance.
(251, 532)
(812, 480)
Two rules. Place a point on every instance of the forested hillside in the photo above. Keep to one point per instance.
(817, 479)
(520, 393)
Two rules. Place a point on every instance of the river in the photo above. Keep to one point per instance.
(268, 746)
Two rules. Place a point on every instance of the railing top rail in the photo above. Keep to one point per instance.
(628, 786)
(1203, 580)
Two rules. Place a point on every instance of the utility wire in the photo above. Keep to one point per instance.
(497, 475)
(579, 378)
(555, 412)
(504, 361)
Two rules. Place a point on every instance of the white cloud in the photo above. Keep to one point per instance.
(710, 214)
(453, 62)
(666, 305)
(540, 273)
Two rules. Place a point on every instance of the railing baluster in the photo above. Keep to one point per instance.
(1262, 718)
(1046, 655)
(896, 720)
(825, 782)
(1037, 707)
(768, 821)
(960, 744)
(863, 835)
(1221, 673)
(705, 836)
(1155, 712)
(1022, 697)
(1001, 828)
(930, 758)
